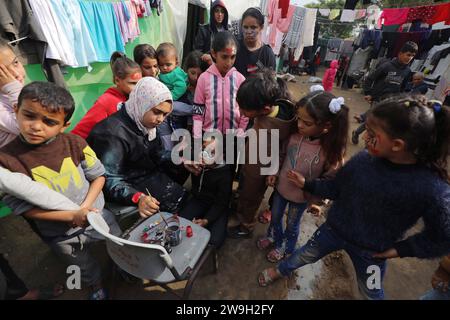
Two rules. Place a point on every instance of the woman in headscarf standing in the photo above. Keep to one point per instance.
(128, 145)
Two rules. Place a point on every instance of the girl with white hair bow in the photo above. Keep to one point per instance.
(315, 150)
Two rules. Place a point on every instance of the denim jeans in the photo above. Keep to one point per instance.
(287, 239)
(325, 241)
(435, 294)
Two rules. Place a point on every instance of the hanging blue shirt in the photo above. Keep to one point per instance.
(103, 27)
(74, 25)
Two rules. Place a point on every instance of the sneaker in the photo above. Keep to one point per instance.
(237, 233)
(355, 137)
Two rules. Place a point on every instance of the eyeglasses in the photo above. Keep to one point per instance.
(219, 10)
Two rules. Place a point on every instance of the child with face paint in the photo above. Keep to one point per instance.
(145, 56)
(215, 103)
(316, 150)
(253, 55)
(183, 109)
(126, 73)
(382, 192)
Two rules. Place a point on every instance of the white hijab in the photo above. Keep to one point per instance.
(147, 94)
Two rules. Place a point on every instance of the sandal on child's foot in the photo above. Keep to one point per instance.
(265, 216)
(268, 276)
(275, 255)
(264, 243)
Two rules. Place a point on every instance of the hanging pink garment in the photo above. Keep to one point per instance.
(277, 23)
(133, 24)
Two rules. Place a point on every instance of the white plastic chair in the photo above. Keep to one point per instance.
(152, 261)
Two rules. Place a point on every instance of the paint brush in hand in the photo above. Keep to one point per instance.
(148, 192)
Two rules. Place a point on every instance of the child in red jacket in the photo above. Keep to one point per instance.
(330, 74)
(126, 73)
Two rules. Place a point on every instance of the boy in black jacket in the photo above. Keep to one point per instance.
(388, 78)
(209, 205)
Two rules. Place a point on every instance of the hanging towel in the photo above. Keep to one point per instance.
(103, 27)
(59, 47)
(324, 12)
(82, 42)
(442, 13)
(348, 15)
(308, 32)
(334, 13)
(295, 30)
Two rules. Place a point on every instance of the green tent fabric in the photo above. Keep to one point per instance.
(4, 210)
(85, 86)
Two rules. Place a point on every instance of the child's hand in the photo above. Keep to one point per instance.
(79, 218)
(368, 98)
(315, 210)
(148, 206)
(296, 178)
(193, 167)
(5, 76)
(200, 222)
(440, 280)
(85, 205)
(271, 180)
(207, 58)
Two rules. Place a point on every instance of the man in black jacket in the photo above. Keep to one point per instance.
(218, 22)
(388, 78)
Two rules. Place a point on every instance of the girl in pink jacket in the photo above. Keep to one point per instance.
(330, 74)
(215, 106)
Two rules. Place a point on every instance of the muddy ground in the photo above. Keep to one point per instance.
(239, 260)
